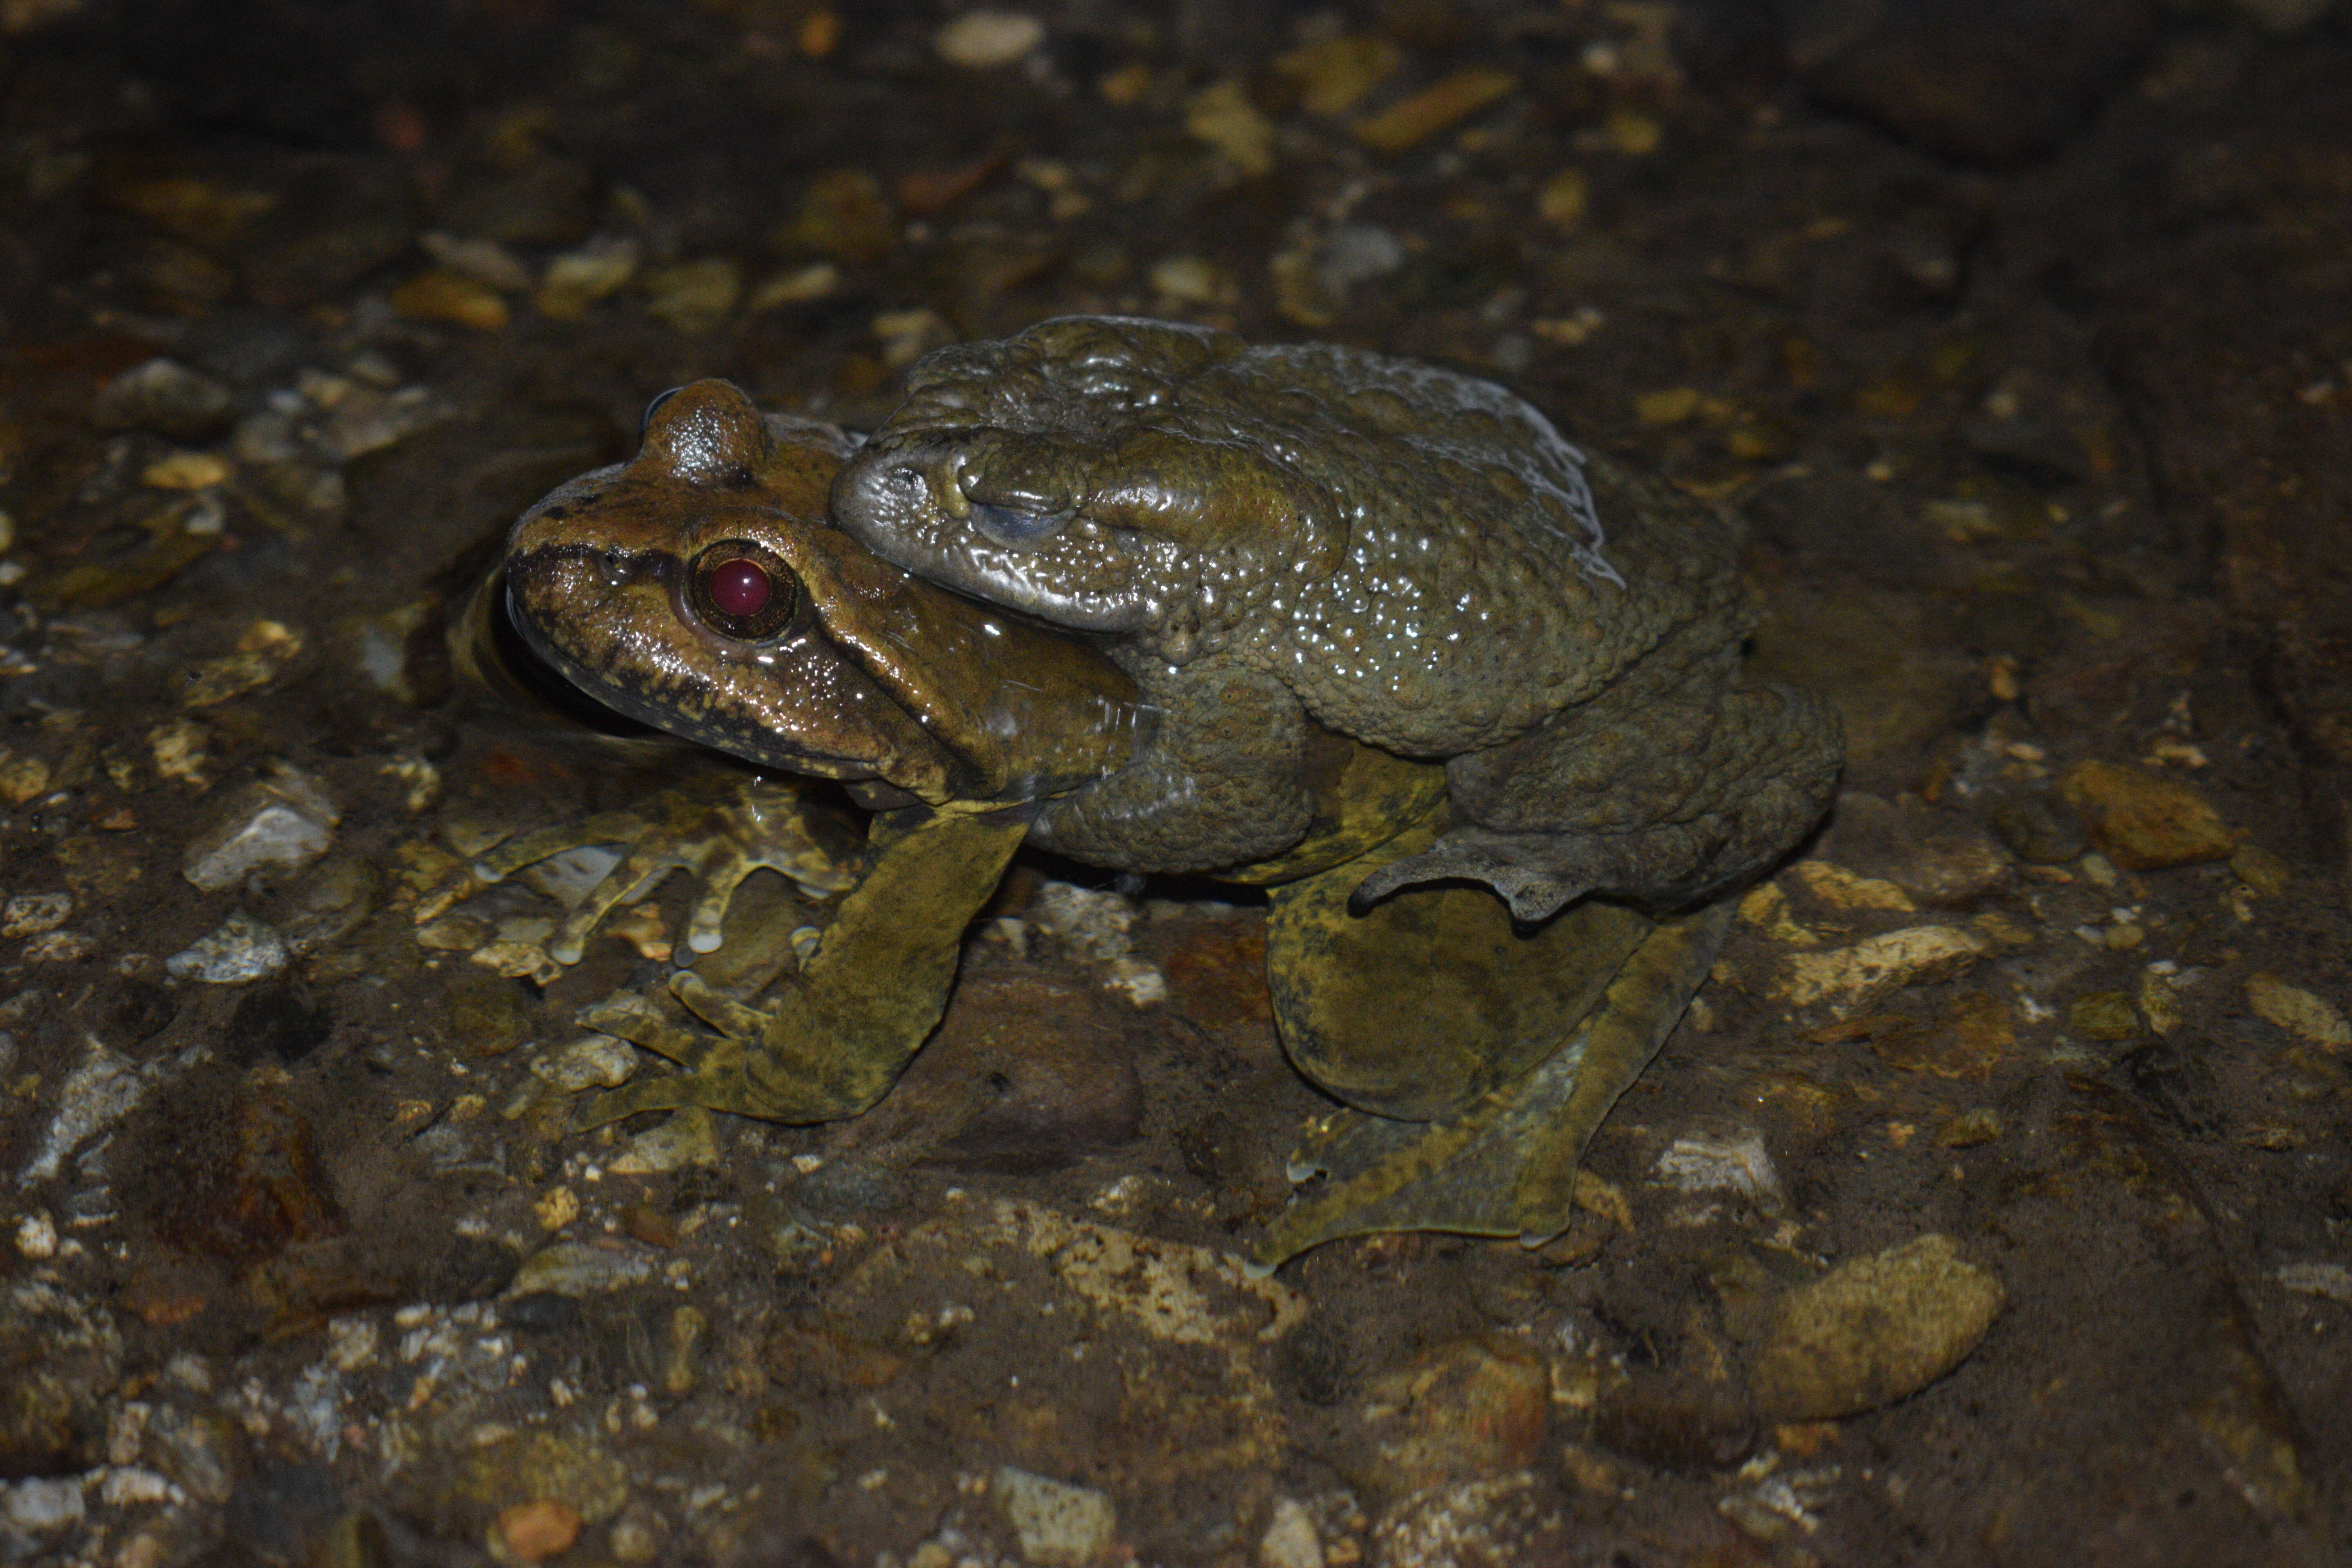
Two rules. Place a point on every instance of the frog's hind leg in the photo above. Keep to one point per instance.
(1501, 1158)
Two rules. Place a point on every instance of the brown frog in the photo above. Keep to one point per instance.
(1359, 629)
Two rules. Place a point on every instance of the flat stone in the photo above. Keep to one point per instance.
(2298, 1012)
(982, 40)
(578, 1268)
(1848, 977)
(2145, 821)
(1874, 1331)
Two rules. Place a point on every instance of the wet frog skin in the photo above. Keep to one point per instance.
(1277, 540)
(1341, 624)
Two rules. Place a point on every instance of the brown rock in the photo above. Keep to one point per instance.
(1468, 1407)
(1677, 1420)
(1874, 1331)
(2146, 822)
(534, 1532)
(1937, 857)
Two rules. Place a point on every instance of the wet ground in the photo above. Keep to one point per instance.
(1995, 1206)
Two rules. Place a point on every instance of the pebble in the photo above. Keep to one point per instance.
(593, 1061)
(2298, 1012)
(1058, 1525)
(2144, 821)
(1290, 1540)
(1222, 115)
(238, 950)
(1844, 978)
(280, 823)
(184, 471)
(1721, 1162)
(577, 1269)
(95, 1094)
(485, 262)
(445, 294)
(2331, 1280)
(1874, 1331)
(1438, 107)
(983, 40)
(41, 1506)
(30, 914)
(167, 396)
(689, 1137)
(578, 278)
(535, 1531)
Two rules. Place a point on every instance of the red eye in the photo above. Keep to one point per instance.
(740, 588)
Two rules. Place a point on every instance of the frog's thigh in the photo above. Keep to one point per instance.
(1428, 1000)
(1505, 1165)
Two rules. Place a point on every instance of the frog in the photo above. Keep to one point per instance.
(1466, 700)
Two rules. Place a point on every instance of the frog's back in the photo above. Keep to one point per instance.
(1417, 553)
(1494, 573)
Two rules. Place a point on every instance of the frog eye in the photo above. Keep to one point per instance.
(740, 590)
(646, 420)
(1006, 526)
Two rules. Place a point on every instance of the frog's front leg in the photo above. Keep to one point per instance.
(839, 1034)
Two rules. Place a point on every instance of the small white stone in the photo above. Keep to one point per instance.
(982, 40)
(1290, 1541)
(592, 1061)
(1721, 1162)
(41, 1504)
(36, 1237)
(1059, 1525)
(239, 951)
(29, 914)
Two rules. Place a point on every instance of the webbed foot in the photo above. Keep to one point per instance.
(837, 1035)
(1504, 1165)
(719, 829)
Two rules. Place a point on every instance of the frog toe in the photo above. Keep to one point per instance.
(631, 1017)
(729, 1091)
(718, 1009)
(718, 830)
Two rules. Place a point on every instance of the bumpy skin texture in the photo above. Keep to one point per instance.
(1270, 538)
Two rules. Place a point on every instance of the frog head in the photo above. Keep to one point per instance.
(700, 588)
(1080, 472)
